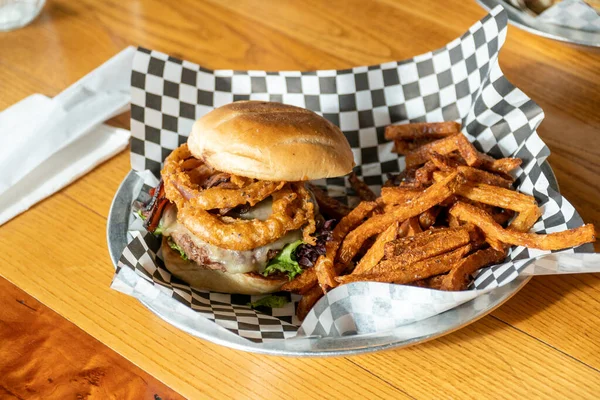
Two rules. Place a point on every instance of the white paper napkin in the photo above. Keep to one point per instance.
(49, 143)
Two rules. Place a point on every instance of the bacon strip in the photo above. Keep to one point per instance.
(155, 208)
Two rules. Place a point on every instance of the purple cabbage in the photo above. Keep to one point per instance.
(306, 254)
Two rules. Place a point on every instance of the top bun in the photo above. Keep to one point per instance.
(270, 141)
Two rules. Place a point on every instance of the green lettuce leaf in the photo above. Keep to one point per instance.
(176, 247)
(285, 261)
(141, 215)
(158, 230)
(271, 301)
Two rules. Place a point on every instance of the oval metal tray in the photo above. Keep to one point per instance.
(411, 334)
(550, 31)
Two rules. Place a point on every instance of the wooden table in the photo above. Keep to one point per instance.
(545, 342)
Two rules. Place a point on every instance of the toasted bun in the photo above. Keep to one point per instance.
(217, 281)
(271, 141)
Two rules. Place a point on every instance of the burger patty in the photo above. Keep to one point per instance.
(210, 257)
(196, 253)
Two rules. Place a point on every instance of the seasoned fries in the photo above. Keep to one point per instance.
(551, 241)
(525, 220)
(472, 157)
(412, 272)
(328, 205)
(376, 252)
(458, 277)
(362, 190)
(427, 218)
(450, 213)
(435, 130)
(430, 197)
(456, 142)
(525, 205)
(324, 266)
(413, 226)
(427, 244)
(411, 136)
(398, 195)
(480, 176)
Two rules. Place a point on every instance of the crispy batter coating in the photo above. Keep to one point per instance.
(196, 188)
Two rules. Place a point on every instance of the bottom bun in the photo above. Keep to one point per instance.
(217, 281)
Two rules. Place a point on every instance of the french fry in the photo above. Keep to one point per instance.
(453, 222)
(427, 219)
(497, 197)
(307, 302)
(434, 282)
(375, 253)
(476, 176)
(324, 267)
(466, 149)
(328, 205)
(398, 195)
(413, 226)
(525, 220)
(458, 277)
(362, 190)
(421, 129)
(503, 216)
(430, 197)
(423, 153)
(301, 283)
(323, 271)
(552, 241)
(440, 175)
(402, 230)
(496, 244)
(480, 176)
(448, 202)
(459, 196)
(406, 146)
(412, 272)
(424, 245)
(424, 175)
(457, 142)
(420, 283)
(444, 162)
(502, 165)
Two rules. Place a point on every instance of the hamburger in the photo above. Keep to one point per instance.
(233, 207)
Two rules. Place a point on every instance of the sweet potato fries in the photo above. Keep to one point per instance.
(450, 213)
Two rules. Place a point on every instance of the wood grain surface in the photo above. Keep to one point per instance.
(543, 343)
(44, 356)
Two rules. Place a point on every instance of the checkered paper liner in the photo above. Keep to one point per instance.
(574, 14)
(461, 81)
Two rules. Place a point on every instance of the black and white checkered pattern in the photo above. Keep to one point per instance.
(369, 307)
(461, 81)
(574, 14)
(231, 311)
(168, 95)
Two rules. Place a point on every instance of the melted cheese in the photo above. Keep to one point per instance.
(235, 262)
(260, 211)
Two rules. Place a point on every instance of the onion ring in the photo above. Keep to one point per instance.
(180, 189)
(309, 207)
(238, 234)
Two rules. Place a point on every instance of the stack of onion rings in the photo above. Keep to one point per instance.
(291, 210)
